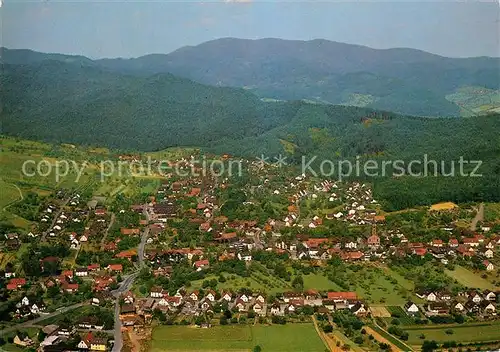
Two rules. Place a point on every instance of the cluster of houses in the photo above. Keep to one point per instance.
(195, 303)
(240, 238)
(57, 336)
(101, 281)
(240, 246)
(444, 303)
(27, 307)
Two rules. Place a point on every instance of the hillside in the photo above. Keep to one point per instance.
(51, 100)
(406, 81)
(62, 102)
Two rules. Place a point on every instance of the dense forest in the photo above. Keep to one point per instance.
(85, 104)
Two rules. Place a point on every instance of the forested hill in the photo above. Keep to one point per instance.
(82, 103)
(406, 81)
(86, 104)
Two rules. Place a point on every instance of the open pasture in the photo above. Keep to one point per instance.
(290, 337)
(469, 278)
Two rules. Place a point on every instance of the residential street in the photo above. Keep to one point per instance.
(125, 285)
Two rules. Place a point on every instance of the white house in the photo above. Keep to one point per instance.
(35, 309)
(81, 272)
(490, 296)
(84, 345)
(489, 253)
(245, 257)
(156, 292)
(489, 266)
(411, 308)
(210, 296)
(226, 297)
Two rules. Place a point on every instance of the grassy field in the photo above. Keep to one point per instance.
(462, 333)
(380, 286)
(253, 282)
(469, 278)
(291, 337)
(319, 282)
(475, 100)
(10, 193)
(491, 212)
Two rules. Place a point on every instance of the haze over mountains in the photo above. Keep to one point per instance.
(407, 81)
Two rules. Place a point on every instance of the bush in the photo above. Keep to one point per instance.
(429, 346)
(395, 322)
(358, 340)
(278, 320)
(327, 328)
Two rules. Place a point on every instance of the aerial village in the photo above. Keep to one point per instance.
(274, 248)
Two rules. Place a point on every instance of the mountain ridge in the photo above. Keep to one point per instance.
(403, 80)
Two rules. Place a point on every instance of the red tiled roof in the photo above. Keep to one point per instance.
(315, 242)
(18, 281)
(420, 251)
(11, 287)
(342, 295)
(116, 267)
(200, 263)
(125, 231)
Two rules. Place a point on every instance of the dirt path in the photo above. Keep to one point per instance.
(135, 344)
(479, 217)
(382, 339)
(111, 222)
(325, 338)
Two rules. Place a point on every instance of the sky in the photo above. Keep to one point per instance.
(123, 28)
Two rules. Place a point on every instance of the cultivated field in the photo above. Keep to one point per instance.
(469, 278)
(291, 337)
(380, 311)
(399, 313)
(443, 206)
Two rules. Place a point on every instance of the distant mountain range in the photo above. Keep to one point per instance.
(402, 80)
(123, 105)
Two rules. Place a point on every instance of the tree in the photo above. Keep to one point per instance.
(358, 340)
(429, 346)
(327, 328)
(298, 283)
(41, 335)
(257, 348)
